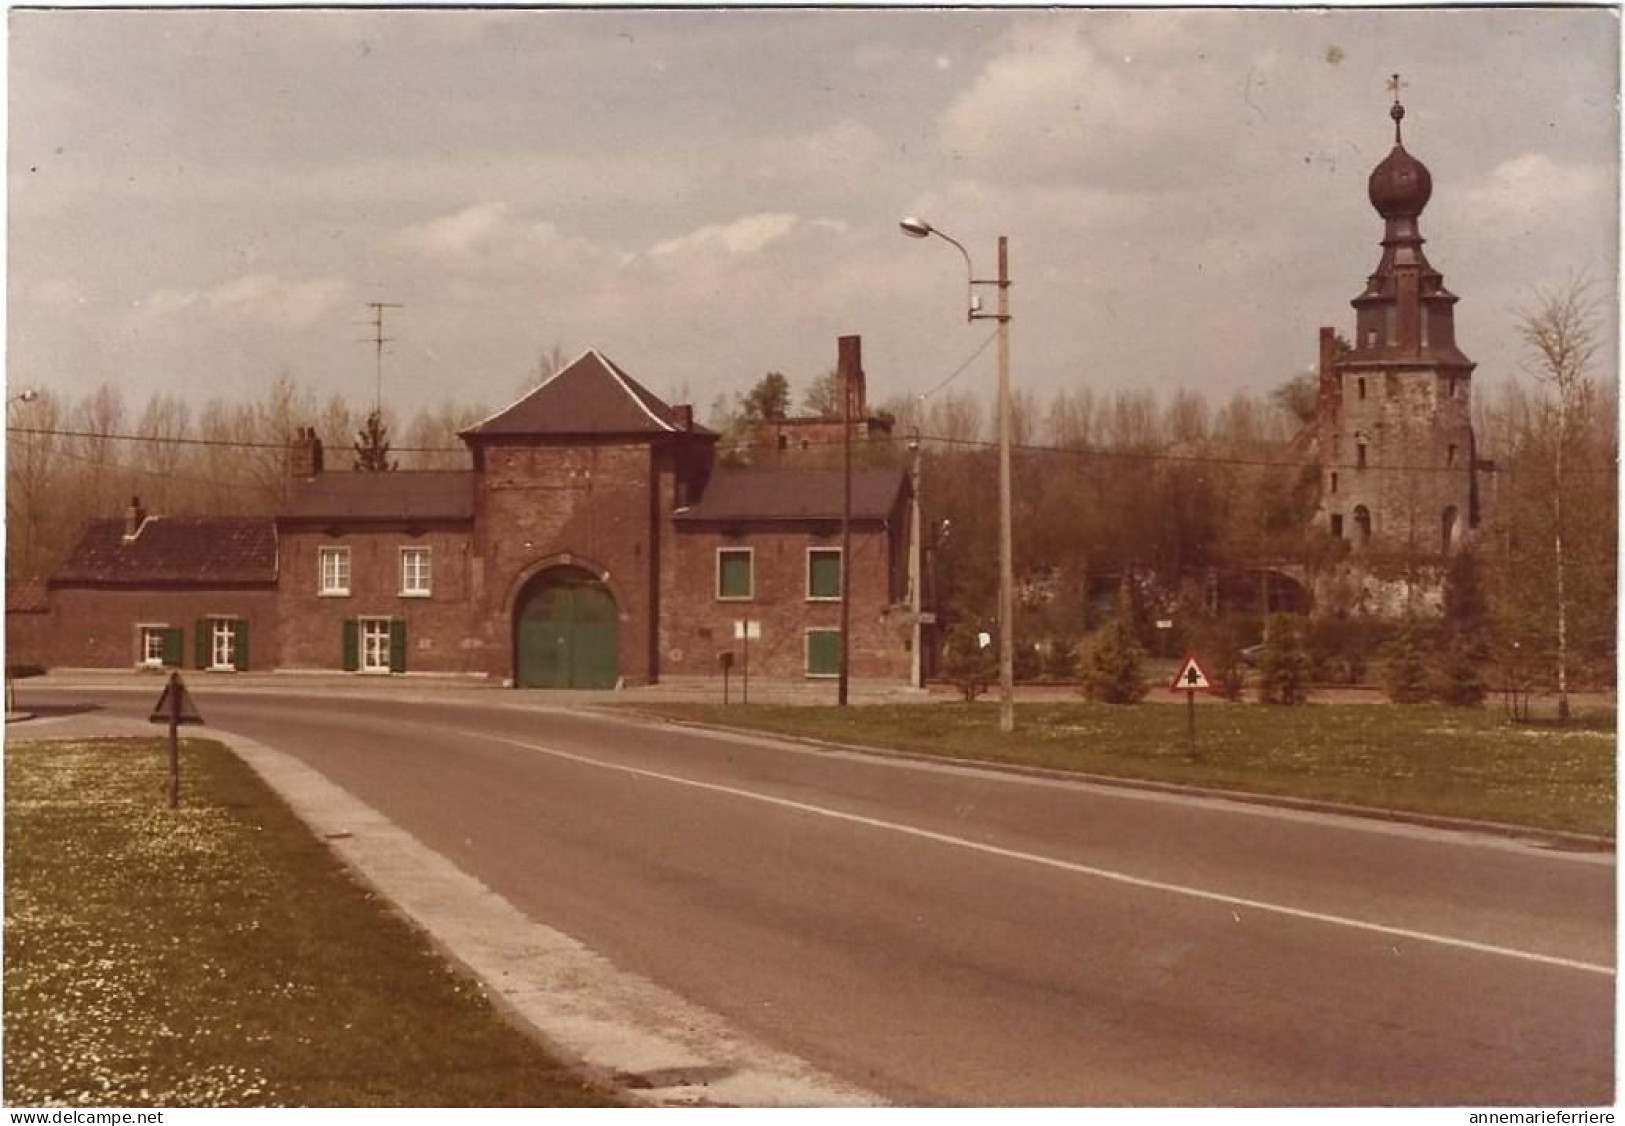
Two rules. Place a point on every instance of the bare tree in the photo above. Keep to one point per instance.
(1559, 328)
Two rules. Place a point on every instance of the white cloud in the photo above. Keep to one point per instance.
(1532, 186)
(264, 299)
(458, 233)
(745, 235)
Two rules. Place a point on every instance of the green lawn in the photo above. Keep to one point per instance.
(220, 955)
(1448, 761)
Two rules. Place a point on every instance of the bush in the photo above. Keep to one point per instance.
(966, 664)
(1112, 671)
(1405, 672)
(1061, 662)
(1283, 670)
(1028, 662)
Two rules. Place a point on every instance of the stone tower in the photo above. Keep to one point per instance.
(1396, 450)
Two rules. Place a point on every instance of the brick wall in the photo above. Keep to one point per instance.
(99, 627)
(442, 634)
(588, 505)
(698, 625)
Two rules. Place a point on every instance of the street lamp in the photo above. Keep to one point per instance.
(915, 227)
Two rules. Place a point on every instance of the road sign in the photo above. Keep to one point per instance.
(168, 709)
(1191, 678)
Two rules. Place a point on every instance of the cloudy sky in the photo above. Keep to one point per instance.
(201, 200)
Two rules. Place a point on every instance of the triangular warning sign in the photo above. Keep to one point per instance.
(165, 707)
(1190, 678)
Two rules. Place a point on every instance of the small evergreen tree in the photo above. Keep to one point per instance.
(372, 447)
(1283, 668)
(1112, 672)
(1464, 636)
(1405, 672)
(966, 663)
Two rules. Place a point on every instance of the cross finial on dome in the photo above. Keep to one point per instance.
(1398, 110)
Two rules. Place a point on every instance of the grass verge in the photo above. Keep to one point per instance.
(1449, 762)
(220, 955)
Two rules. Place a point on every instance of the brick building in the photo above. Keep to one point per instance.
(1400, 476)
(594, 542)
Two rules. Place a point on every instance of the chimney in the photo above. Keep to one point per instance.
(849, 375)
(685, 416)
(305, 453)
(1329, 388)
(134, 517)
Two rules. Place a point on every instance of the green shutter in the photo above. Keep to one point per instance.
(733, 574)
(823, 652)
(397, 645)
(824, 574)
(239, 657)
(352, 645)
(200, 643)
(173, 647)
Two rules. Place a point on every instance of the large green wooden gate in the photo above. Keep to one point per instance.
(566, 633)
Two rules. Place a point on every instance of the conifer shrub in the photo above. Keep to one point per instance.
(1405, 668)
(1283, 668)
(966, 664)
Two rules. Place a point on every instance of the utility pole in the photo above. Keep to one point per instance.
(378, 341)
(847, 378)
(1007, 621)
(916, 569)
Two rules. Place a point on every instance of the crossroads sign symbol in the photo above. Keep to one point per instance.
(1190, 678)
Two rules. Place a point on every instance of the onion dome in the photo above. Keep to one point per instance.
(1401, 185)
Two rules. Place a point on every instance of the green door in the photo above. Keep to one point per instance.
(567, 634)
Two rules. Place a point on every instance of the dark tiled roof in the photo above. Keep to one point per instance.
(26, 596)
(589, 396)
(795, 494)
(175, 549)
(406, 494)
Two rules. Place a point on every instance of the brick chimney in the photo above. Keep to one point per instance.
(685, 416)
(849, 376)
(134, 516)
(305, 453)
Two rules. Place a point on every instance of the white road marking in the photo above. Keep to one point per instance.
(1055, 863)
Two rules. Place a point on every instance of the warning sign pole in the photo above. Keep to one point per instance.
(1190, 679)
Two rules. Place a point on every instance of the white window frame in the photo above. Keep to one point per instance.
(341, 570)
(372, 640)
(750, 555)
(149, 634)
(806, 653)
(424, 587)
(222, 644)
(840, 576)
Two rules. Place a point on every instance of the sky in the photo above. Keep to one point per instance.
(202, 201)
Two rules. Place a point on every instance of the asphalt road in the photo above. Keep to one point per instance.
(946, 935)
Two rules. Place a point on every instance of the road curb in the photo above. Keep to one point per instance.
(1556, 839)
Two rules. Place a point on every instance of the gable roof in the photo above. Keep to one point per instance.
(590, 395)
(204, 550)
(795, 494)
(404, 494)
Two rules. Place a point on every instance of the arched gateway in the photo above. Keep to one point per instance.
(566, 632)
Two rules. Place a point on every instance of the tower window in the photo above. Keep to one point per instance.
(1359, 456)
(1450, 455)
(1334, 482)
(1361, 385)
(1337, 524)
(1362, 525)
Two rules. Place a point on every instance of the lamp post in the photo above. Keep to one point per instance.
(919, 228)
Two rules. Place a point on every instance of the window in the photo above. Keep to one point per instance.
(1334, 481)
(1362, 525)
(1450, 455)
(1359, 456)
(223, 644)
(824, 573)
(1337, 524)
(1360, 384)
(156, 647)
(415, 572)
(734, 577)
(335, 570)
(823, 652)
(374, 644)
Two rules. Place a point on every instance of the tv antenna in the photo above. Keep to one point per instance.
(378, 341)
